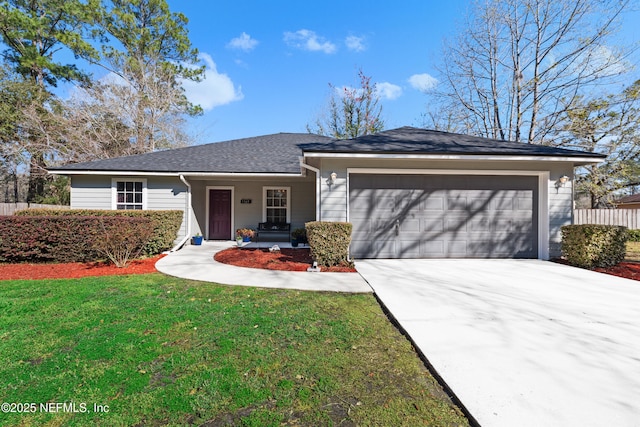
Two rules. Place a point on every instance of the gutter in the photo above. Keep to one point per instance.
(317, 171)
(187, 213)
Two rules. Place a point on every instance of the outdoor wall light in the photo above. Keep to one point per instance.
(562, 181)
(332, 178)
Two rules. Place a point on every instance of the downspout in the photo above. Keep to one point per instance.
(317, 171)
(187, 213)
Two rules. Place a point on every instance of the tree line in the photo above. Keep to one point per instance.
(544, 72)
(140, 105)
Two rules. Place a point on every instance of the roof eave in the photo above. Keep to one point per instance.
(152, 173)
(578, 160)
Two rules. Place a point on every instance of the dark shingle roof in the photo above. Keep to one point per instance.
(409, 140)
(277, 153)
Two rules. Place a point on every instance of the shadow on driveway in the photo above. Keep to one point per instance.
(521, 342)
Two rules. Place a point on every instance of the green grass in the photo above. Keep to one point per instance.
(164, 351)
(633, 252)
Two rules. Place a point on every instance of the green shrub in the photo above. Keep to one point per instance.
(59, 239)
(591, 246)
(165, 224)
(634, 235)
(122, 240)
(329, 242)
(300, 234)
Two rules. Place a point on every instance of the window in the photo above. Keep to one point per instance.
(276, 204)
(129, 194)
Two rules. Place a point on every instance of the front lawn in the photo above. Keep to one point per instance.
(633, 252)
(156, 350)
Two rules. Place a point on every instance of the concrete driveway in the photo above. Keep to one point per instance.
(522, 342)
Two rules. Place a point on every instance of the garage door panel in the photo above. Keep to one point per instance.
(524, 204)
(409, 248)
(457, 203)
(456, 225)
(385, 248)
(433, 203)
(457, 248)
(433, 248)
(409, 225)
(433, 224)
(478, 204)
(480, 224)
(443, 216)
(386, 203)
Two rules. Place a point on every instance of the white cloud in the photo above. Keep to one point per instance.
(355, 43)
(216, 89)
(308, 40)
(423, 82)
(387, 90)
(243, 42)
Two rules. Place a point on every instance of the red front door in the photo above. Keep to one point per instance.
(220, 214)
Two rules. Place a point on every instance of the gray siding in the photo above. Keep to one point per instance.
(94, 192)
(90, 192)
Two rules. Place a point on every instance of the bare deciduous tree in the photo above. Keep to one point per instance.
(351, 112)
(518, 64)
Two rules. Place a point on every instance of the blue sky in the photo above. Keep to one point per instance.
(269, 64)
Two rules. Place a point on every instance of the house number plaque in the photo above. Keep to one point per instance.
(245, 201)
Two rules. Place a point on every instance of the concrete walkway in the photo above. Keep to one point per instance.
(522, 342)
(197, 263)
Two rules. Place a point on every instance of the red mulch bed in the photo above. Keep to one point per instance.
(629, 270)
(286, 259)
(74, 270)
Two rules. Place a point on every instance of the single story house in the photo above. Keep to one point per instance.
(628, 202)
(409, 192)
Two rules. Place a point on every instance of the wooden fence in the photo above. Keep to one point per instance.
(10, 208)
(630, 218)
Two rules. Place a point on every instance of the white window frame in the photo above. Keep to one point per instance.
(264, 201)
(114, 191)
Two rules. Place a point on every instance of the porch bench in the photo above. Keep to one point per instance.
(269, 229)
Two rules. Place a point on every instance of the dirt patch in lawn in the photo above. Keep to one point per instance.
(74, 270)
(285, 259)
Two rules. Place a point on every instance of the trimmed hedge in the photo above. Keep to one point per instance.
(165, 224)
(591, 246)
(57, 238)
(329, 242)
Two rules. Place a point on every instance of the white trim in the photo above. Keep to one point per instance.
(187, 174)
(486, 157)
(543, 192)
(264, 200)
(187, 216)
(318, 186)
(112, 173)
(444, 171)
(543, 215)
(233, 215)
(114, 191)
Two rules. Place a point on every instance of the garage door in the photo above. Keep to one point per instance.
(443, 216)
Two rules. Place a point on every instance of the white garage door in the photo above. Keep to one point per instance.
(443, 216)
